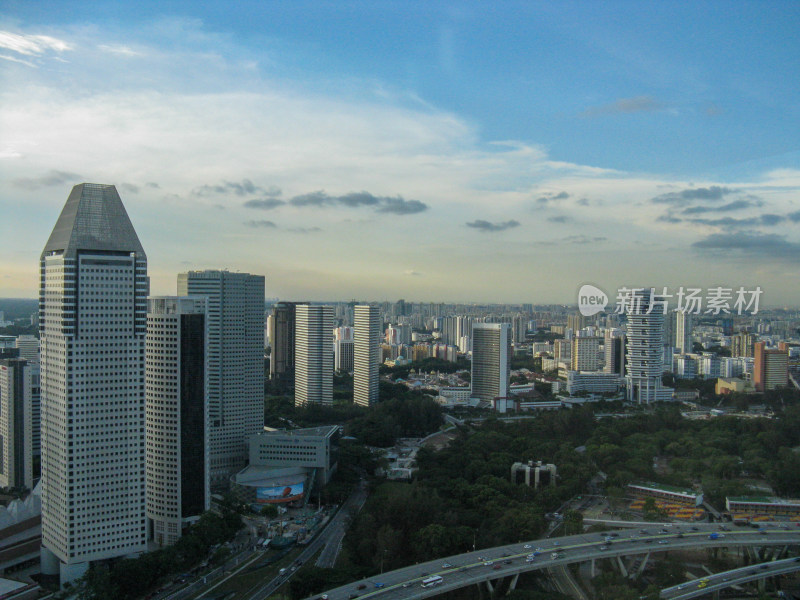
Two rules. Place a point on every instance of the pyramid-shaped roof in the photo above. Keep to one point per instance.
(93, 219)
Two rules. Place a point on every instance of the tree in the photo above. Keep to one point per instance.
(269, 511)
(573, 522)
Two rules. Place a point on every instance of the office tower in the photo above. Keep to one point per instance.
(645, 348)
(176, 417)
(282, 344)
(585, 352)
(344, 333)
(343, 355)
(520, 325)
(313, 372)
(400, 308)
(234, 363)
(19, 400)
(683, 332)
(770, 367)
(367, 354)
(398, 334)
(742, 345)
(28, 347)
(491, 362)
(92, 314)
(614, 350)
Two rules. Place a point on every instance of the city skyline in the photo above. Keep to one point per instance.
(421, 152)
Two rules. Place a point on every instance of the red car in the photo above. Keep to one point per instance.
(496, 567)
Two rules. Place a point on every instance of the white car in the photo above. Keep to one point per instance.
(527, 546)
(488, 563)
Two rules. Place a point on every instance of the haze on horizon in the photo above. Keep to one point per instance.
(434, 152)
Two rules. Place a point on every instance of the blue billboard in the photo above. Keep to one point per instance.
(280, 493)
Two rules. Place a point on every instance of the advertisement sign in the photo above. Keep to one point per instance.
(279, 493)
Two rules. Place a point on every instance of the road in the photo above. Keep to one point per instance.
(330, 539)
(475, 567)
(718, 581)
(335, 530)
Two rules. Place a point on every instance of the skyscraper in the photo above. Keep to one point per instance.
(235, 363)
(313, 371)
(491, 362)
(683, 332)
(19, 403)
(176, 416)
(282, 344)
(92, 315)
(645, 348)
(614, 350)
(366, 355)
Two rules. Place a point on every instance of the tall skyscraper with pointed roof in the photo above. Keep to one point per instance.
(92, 315)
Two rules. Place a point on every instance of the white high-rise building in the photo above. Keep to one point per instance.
(28, 347)
(313, 356)
(235, 363)
(92, 315)
(367, 354)
(178, 484)
(683, 332)
(645, 334)
(491, 363)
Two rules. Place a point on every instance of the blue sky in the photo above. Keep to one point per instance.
(433, 151)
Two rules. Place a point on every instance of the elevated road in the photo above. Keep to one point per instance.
(718, 581)
(509, 561)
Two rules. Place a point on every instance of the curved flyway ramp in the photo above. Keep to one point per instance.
(718, 581)
(508, 561)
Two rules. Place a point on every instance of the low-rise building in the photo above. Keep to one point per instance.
(669, 493)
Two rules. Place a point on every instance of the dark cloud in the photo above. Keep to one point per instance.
(752, 245)
(312, 199)
(359, 199)
(264, 203)
(400, 206)
(794, 217)
(583, 239)
(412, 273)
(766, 220)
(559, 219)
(261, 224)
(669, 219)
(129, 187)
(713, 193)
(238, 188)
(152, 184)
(50, 178)
(730, 206)
(304, 229)
(625, 106)
(384, 204)
(583, 202)
(482, 225)
(545, 198)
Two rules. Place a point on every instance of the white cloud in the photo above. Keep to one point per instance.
(32, 45)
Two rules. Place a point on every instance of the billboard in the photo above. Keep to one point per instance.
(280, 493)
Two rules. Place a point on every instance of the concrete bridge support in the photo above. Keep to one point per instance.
(513, 584)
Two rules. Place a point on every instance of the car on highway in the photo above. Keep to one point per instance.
(702, 584)
(379, 585)
(407, 584)
(361, 586)
(446, 565)
(507, 561)
(663, 542)
(603, 547)
(488, 563)
(496, 567)
(530, 559)
(527, 546)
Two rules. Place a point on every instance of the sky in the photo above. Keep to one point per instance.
(432, 151)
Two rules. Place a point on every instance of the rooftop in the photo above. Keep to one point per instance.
(665, 488)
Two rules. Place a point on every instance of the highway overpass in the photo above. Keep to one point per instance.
(718, 581)
(496, 563)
